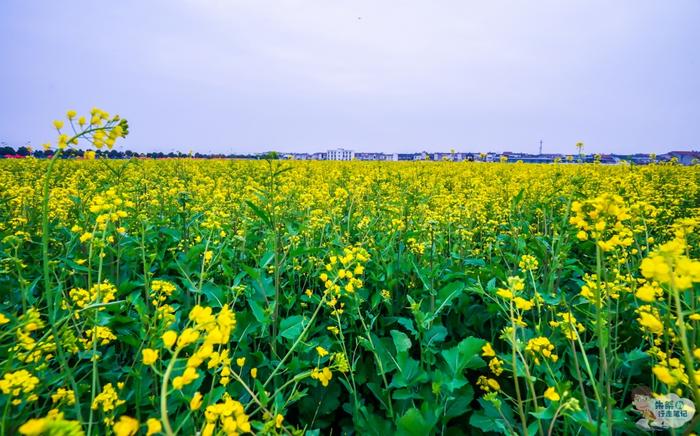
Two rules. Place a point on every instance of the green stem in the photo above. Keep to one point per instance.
(4, 416)
(51, 296)
(298, 340)
(687, 354)
(379, 361)
(521, 411)
(603, 380)
(164, 394)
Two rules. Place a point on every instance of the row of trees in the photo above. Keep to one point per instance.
(7, 151)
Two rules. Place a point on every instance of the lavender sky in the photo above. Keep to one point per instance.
(370, 75)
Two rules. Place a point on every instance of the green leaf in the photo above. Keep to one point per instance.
(379, 346)
(408, 325)
(266, 259)
(379, 393)
(252, 272)
(633, 361)
(474, 262)
(401, 341)
(259, 212)
(488, 419)
(214, 294)
(466, 355)
(449, 291)
(545, 413)
(581, 419)
(258, 312)
(409, 373)
(291, 328)
(460, 404)
(370, 423)
(435, 335)
(412, 423)
(403, 394)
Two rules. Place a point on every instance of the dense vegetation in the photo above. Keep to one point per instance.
(269, 297)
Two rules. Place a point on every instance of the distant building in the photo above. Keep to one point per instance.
(441, 156)
(684, 157)
(638, 159)
(340, 154)
(405, 156)
(297, 156)
(373, 156)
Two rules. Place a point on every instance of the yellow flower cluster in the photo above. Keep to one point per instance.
(515, 286)
(487, 350)
(97, 335)
(53, 423)
(324, 376)
(110, 207)
(649, 291)
(340, 362)
(496, 366)
(671, 372)
(215, 330)
(107, 400)
(342, 276)
(594, 289)
(64, 395)
(150, 356)
(541, 347)
(104, 129)
(229, 415)
(568, 325)
(605, 219)
(160, 291)
(19, 385)
(28, 349)
(528, 263)
(415, 247)
(649, 319)
(99, 293)
(669, 265)
(488, 384)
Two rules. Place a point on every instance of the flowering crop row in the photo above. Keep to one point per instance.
(267, 297)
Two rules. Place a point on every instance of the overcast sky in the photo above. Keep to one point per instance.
(370, 75)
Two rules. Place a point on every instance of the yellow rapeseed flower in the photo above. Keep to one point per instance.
(487, 350)
(153, 426)
(196, 401)
(650, 323)
(523, 304)
(551, 394)
(150, 356)
(324, 376)
(126, 426)
(169, 338)
(663, 374)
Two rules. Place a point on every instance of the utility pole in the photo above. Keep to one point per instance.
(540, 146)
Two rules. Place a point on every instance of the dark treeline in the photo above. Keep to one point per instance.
(10, 152)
